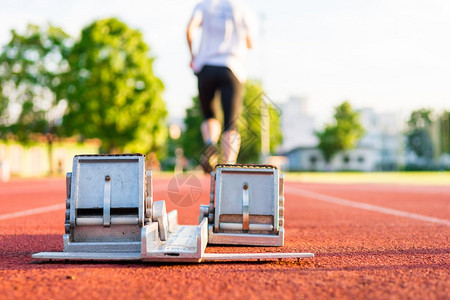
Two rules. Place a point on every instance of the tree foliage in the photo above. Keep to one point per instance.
(342, 134)
(418, 135)
(420, 118)
(30, 68)
(112, 91)
(191, 139)
(249, 125)
(445, 132)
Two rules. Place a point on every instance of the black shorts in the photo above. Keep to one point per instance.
(212, 79)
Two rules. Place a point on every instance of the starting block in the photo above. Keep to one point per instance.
(111, 216)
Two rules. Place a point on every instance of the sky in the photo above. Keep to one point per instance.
(389, 55)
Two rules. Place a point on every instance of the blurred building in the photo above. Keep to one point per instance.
(297, 125)
(379, 150)
(311, 159)
(384, 136)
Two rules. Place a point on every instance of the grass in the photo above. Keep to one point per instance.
(406, 178)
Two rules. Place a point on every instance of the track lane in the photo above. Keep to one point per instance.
(359, 254)
(360, 205)
(430, 201)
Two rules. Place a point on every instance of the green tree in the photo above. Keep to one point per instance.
(249, 125)
(342, 134)
(445, 132)
(30, 87)
(191, 139)
(420, 118)
(112, 91)
(418, 134)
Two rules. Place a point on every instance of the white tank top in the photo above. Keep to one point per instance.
(225, 28)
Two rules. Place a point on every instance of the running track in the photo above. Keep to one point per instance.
(371, 242)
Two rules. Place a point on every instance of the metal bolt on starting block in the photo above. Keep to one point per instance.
(111, 215)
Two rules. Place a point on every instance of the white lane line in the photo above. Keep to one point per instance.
(429, 190)
(33, 211)
(370, 207)
(45, 209)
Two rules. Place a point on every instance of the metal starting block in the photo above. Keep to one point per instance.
(246, 206)
(111, 215)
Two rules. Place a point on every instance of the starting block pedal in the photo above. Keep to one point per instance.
(111, 215)
(246, 206)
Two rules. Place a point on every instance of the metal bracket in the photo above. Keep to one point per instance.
(107, 202)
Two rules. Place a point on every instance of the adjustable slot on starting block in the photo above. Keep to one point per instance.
(107, 202)
(251, 227)
(245, 209)
(118, 216)
(256, 223)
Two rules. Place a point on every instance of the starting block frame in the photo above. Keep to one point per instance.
(111, 215)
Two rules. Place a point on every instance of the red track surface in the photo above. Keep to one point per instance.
(359, 253)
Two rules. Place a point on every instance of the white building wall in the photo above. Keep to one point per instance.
(311, 159)
(297, 125)
(384, 135)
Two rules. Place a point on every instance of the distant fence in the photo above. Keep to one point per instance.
(35, 160)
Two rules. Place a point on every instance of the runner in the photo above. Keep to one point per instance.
(218, 66)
